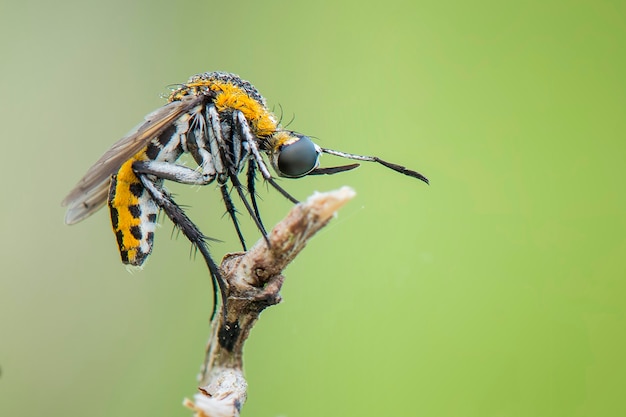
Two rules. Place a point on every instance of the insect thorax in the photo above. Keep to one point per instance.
(228, 93)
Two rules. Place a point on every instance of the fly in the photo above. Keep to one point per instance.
(223, 123)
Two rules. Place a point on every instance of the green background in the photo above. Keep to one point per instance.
(498, 290)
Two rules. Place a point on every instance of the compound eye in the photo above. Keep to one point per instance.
(297, 158)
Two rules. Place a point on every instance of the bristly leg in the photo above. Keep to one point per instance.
(257, 220)
(232, 211)
(282, 190)
(191, 232)
(251, 178)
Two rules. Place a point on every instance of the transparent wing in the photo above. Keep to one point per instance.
(87, 203)
(91, 191)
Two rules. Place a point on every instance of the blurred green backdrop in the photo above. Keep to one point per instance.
(497, 291)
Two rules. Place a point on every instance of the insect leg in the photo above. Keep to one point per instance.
(232, 211)
(173, 172)
(257, 220)
(253, 148)
(204, 141)
(251, 190)
(229, 167)
(191, 232)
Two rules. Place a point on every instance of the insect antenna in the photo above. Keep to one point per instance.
(398, 168)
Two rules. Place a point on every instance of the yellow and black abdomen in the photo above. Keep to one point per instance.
(133, 211)
(133, 215)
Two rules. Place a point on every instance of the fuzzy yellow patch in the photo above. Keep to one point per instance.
(233, 97)
(281, 138)
(230, 97)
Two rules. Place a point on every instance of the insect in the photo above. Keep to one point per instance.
(224, 124)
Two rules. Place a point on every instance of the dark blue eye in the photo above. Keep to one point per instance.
(297, 158)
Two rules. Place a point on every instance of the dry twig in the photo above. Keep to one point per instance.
(252, 282)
